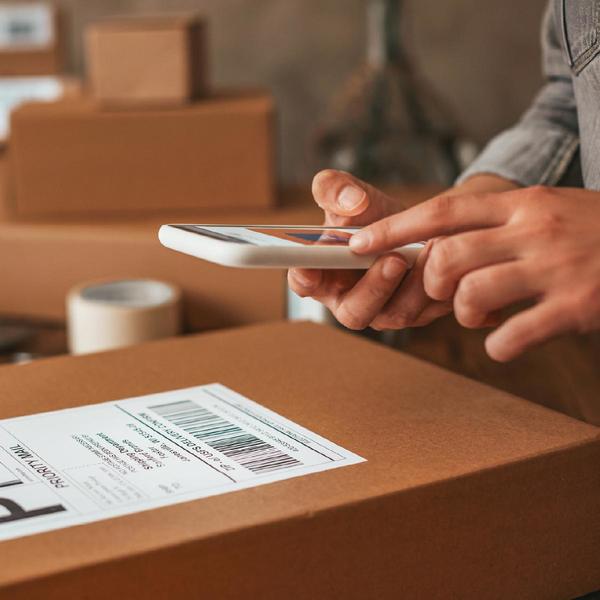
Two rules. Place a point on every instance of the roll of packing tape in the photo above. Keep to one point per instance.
(113, 314)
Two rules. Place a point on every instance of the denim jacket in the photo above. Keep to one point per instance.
(560, 131)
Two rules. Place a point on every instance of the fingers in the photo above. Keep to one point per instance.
(453, 257)
(487, 290)
(433, 311)
(323, 285)
(439, 216)
(408, 302)
(357, 307)
(527, 329)
(347, 200)
(304, 281)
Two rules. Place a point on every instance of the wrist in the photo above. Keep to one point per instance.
(482, 183)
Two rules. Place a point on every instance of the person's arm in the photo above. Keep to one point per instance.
(541, 146)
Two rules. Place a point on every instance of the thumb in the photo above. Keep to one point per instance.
(347, 200)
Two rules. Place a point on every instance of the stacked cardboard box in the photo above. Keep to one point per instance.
(71, 157)
(154, 60)
(32, 42)
(93, 177)
(148, 136)
(15, 91)
(32, 39)
(466, 492)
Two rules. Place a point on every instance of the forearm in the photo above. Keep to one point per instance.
(540, 148)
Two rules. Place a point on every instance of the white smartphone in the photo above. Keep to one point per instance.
(275, 246)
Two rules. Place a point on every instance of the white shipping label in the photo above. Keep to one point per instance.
(27, 25)
(80, 465)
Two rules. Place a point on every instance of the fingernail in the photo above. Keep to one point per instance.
(393, 267)
(360, 242)
(350, 197)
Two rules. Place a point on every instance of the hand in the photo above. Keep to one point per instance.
(358, 298)
(540, 244)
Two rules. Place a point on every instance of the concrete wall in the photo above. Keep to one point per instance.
(482, 57)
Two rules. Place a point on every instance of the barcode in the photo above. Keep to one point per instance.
(225, 437)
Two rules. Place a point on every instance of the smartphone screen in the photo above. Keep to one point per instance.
(275, 235)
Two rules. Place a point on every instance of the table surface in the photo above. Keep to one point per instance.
(563, 374)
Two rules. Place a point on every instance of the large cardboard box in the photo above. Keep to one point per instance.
(153, 60)
(466, 492)
(72, 157)
(32, 39)
(41, 259)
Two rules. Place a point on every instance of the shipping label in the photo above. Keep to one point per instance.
(80, 465)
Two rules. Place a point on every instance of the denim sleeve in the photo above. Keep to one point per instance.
(541, 146)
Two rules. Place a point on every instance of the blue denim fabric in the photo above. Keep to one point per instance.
(565, 115)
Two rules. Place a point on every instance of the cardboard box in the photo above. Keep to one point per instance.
(467, 492)
(32, 39)
(71, 157)
(154, 60)
(41, 259)
(15, 91)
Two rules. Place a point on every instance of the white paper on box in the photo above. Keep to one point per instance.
(28, 25)
(15, 91)
(85, 464)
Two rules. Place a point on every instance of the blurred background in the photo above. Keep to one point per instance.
(482, 58)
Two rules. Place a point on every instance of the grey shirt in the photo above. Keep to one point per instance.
(560, 132)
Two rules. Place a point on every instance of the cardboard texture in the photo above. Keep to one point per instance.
(15, 91)
(50, 60)
(72, 157)
(467, 492)
(40, 260)
(72, 87)
(6, 197)
(147, 61)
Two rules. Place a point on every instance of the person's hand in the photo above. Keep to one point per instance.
(358, 298)
(540, 244)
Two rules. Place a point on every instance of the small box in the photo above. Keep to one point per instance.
(70, 156)
(155, 60)
(31, 39)
(465, 492)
